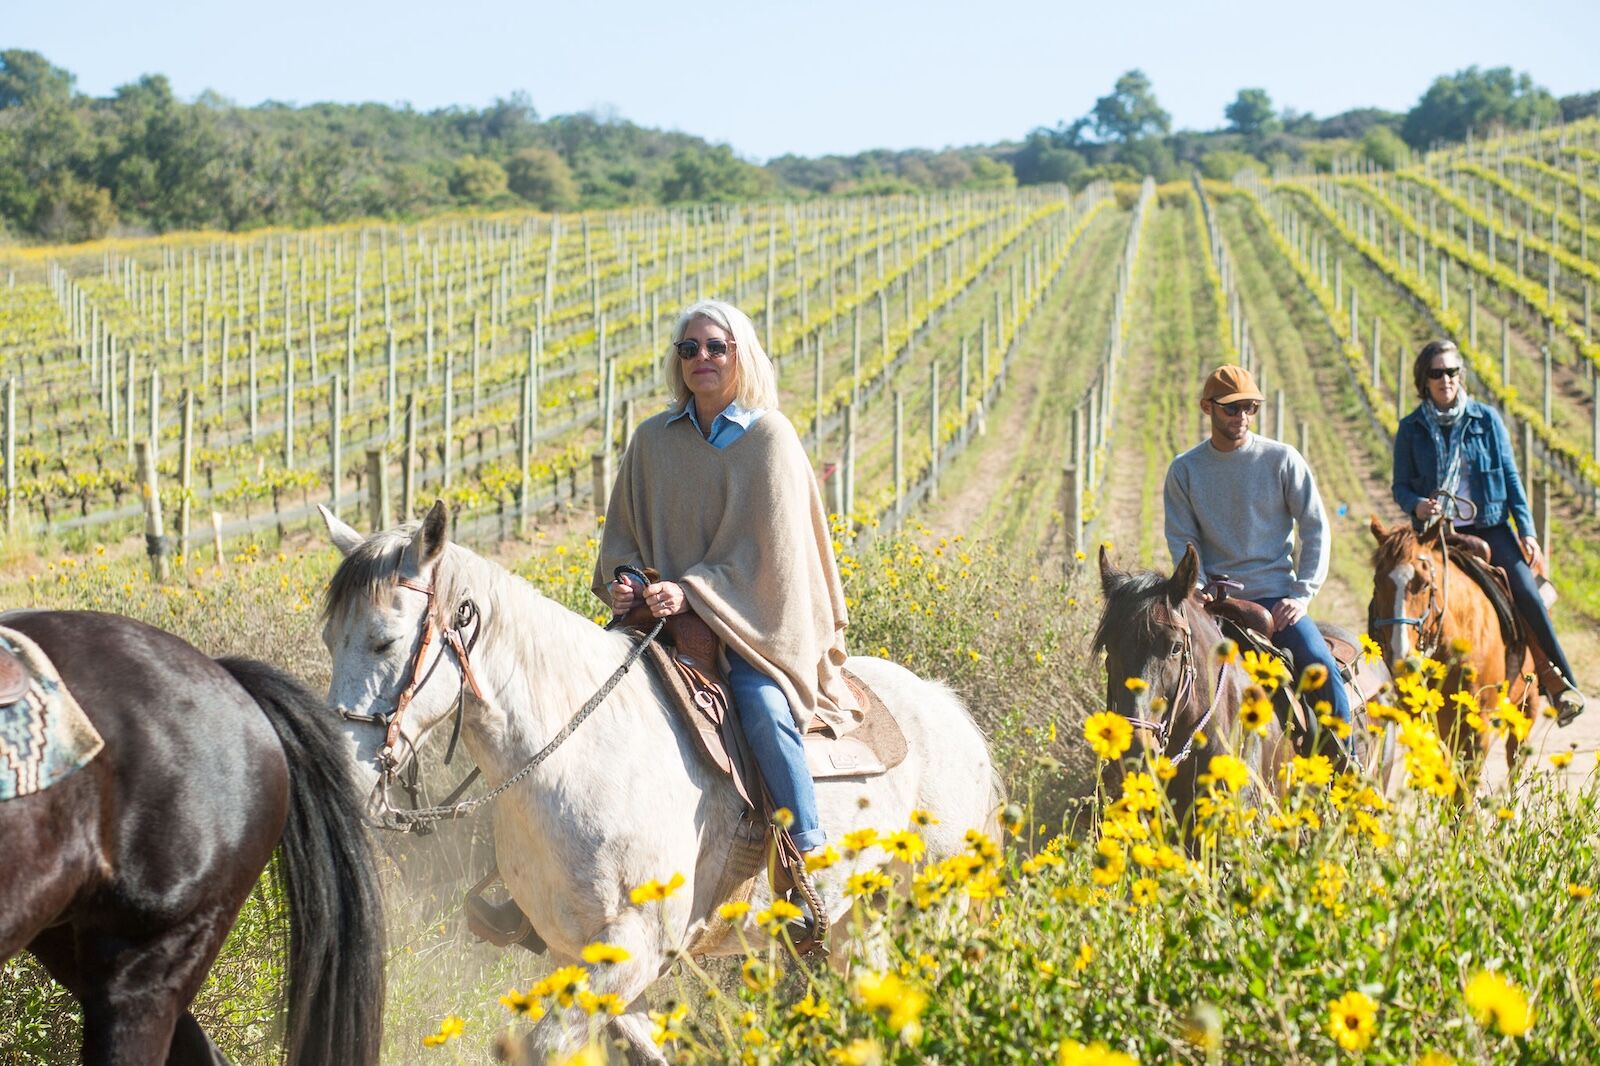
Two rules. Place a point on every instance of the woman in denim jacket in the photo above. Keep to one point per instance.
(1456, 445)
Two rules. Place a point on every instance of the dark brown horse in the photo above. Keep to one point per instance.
(125, 877)
(1156, 629)
(1425, 605)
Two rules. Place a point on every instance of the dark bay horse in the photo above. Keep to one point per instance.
(1156, 629)
(124, 878)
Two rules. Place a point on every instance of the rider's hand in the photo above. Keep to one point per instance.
(624, 595)
(1425, 509)
(1287, 613)
(1532, 552)
(665, 598)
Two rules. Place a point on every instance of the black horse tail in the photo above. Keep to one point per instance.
(327, 873)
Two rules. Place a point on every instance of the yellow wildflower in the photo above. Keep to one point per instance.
(1227, 771)
(451, 1027)
(1109, 863)
(1352, 1019)
(1109, 734)
(1255, 710)
(597, 953)
(1493, 998)
(905, 846)
(652, 891)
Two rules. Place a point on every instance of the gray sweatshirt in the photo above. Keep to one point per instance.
(1239, 510)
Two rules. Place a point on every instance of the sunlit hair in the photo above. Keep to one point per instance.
(1419, 369)
(757, 380)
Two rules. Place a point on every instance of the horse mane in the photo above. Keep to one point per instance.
(1396, 548)
(371, 572)
(1127, 613)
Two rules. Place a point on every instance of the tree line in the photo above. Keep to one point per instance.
(75, 167)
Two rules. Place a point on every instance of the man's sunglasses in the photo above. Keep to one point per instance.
(1437, 372)
(1240, 407)
(716, 348)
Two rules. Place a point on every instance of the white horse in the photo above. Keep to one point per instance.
(626, 799)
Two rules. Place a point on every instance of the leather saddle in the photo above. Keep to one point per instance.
(15, 678)
(687, 659)
(1249, 625)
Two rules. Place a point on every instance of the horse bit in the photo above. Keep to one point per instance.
(420, 819)
(1162, 614)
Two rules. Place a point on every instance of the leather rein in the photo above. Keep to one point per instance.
(1163, 614)
(419, 819)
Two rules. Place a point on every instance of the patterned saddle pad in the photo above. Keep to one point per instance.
(44, 734)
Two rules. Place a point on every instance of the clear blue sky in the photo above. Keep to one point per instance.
(812, 78)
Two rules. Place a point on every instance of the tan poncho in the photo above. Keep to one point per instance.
(743, 530)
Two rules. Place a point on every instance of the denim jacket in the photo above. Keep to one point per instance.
(1496, 487)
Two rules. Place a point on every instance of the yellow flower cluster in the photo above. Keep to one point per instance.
(900, 1003)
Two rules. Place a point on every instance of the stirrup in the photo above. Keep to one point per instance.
(1569, 704)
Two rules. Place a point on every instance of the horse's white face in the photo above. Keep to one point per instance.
(1400, 578)
(374, 648)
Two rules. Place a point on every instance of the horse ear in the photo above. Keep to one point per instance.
(428, 543)
(1110, 577)
(1184, 578)
(434, 534)
(344, 537)
(1378, 531)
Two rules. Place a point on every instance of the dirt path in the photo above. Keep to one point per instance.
(1172, 343)
(1002, 487)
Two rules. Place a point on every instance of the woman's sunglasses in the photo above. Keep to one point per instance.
(1240, 407)
(1437, 372)
(716, 348)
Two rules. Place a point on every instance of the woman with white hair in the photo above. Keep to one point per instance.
(717, 495)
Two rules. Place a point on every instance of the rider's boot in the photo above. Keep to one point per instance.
(501, 924)
(808, 935)
(1558, 688)
(791, 882)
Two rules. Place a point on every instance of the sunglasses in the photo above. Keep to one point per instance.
(1240, 407)
(1437, 372)
(716, 348)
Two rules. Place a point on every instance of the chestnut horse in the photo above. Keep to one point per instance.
(1155, 628)
(1417, 584)
(124, 878)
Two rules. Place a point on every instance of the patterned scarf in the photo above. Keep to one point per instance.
(1448, 453)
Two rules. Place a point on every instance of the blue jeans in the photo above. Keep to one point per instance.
(779, 751)
(1304, 641)
(1506, 553)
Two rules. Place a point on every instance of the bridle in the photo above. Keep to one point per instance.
(1162, 613)
(420, 819)
(1438, 592)
(390, 764)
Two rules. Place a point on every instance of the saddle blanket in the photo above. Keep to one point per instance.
(44, 734)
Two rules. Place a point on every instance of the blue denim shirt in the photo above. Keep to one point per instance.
(1496, 486)
(727, 427)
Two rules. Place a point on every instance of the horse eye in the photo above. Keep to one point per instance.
(1176, 650)
(383, 646)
